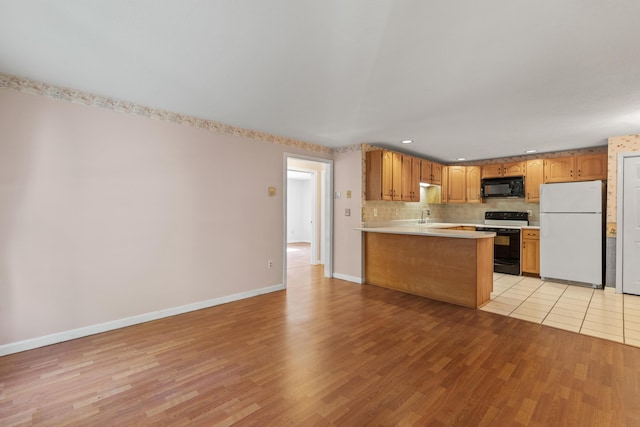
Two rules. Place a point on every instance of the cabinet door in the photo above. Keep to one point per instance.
(396, 176)
(425, 171)
(436, 173)
(387, 175)
(415, 179)
(444, 189)
(492, 171)
(533, 179)
(591, 167)
(513, 169)
(457, 184)
(473, 184)
(559, 170)
(405, 193)
(531, 256)
(374, 175)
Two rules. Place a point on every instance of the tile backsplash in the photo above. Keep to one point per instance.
(468, 212)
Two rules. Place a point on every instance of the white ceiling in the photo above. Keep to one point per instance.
(462, 78)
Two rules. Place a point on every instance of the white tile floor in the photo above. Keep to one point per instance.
(596, 312)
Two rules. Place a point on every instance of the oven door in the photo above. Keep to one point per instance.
(506, 250)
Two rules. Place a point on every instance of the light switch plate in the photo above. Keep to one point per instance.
(348, 194)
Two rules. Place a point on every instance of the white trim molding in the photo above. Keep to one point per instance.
(353, 279)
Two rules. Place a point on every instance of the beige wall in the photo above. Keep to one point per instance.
(105, 215)
(347, 241)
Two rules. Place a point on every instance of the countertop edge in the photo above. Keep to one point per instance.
(433, 232)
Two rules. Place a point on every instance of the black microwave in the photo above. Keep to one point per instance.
(502, 187)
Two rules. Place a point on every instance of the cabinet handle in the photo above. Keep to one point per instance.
(571, 173)
(579, 172)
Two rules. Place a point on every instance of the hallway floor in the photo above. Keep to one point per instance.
(596, 312)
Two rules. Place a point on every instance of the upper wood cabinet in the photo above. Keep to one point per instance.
(410, 179)
(591, 167)
(396, 177)
(559, 169)
(456, 184)
(444, 188)
(576, 168)
(504, 169)
(533, 179)
(473, 184)
(392, 176)
(436, 173)
(431, 172)
(382, 181)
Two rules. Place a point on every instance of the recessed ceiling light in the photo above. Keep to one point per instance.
(460, 159)
(407, 141)
(530, 151)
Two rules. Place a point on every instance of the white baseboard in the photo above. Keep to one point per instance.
(30, 344)
(354, 279)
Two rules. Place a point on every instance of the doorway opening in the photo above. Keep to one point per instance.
(308, 213)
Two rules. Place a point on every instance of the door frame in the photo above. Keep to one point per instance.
(619, 216)
(326, 184)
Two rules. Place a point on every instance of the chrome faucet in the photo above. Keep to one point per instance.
(422, 219)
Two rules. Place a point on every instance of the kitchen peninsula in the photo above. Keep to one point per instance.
(432, 261)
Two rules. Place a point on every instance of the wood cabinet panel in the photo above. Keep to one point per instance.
(436, 173)
(531, 251)
(444, 193)
(591, 167)
(504, 169)
(514, 169)
(405, 194)
(415, 179)
(457, 184)
(492, 171)
(374, 178)
(459, 271)
(425, 171)
(576, 168)
(473, 184)
(431, 172)
(410, 179)
(396, 176)
(533, 179)
(560, 169)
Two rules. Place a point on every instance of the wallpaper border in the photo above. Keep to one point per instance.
(25, 85)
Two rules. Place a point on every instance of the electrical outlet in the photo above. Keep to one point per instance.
(397, 211)
(347, 212)
(529, 212)
(375, 212)
(269, 264)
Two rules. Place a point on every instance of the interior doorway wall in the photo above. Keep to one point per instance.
(320, 190)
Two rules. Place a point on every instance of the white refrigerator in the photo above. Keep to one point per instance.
(572, 232)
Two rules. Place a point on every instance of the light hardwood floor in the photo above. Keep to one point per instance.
(326, 352)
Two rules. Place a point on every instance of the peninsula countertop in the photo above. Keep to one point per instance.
(432, 229)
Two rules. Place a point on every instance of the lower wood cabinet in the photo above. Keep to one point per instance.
(531, 251)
